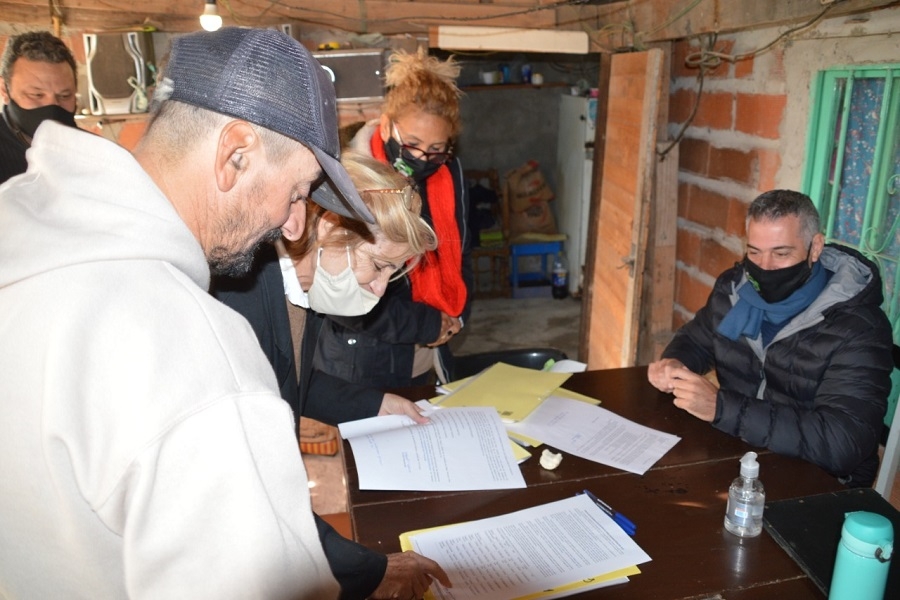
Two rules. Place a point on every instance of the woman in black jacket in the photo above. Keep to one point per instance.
(405, 337)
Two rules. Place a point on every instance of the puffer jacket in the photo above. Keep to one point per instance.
(819, 390)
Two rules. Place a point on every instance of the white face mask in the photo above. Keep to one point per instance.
(341, 294)
(292, 289)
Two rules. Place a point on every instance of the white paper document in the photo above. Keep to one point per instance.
(528, 551)
(462, 448)
(595, 434)
(567, 365)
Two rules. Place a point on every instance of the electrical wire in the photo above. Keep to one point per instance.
(702, 56)
(707, 60)
(701, 74)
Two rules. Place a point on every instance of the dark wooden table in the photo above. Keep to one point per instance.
(678, 505)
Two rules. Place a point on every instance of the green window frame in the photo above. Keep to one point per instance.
(852, 171)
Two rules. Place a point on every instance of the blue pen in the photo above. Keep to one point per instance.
(617, 517)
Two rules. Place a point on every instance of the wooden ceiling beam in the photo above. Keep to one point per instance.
(382, 16)
(624, 24)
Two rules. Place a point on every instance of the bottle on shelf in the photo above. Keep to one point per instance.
(746, 500)
(560, 275)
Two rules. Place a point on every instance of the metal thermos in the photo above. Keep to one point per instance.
(863, 557)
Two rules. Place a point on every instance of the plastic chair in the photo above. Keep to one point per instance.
(467, 365)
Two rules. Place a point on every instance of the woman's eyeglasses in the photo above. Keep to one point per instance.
(437, 158)
(404, 193)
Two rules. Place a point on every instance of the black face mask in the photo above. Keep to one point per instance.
(777, 284)
(405, 164)
(28, 119)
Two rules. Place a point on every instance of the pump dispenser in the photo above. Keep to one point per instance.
(746, 500)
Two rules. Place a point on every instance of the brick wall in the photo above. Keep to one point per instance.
(728, 155)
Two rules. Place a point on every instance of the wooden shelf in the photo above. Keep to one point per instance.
(94, 119)
(513, 86)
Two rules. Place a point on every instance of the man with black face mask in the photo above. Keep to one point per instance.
(800, 345)
(37, 82)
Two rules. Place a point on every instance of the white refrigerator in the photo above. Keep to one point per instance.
(574, 169)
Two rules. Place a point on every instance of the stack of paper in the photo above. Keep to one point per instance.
(463, 448)
(513, 391)
(549, 551)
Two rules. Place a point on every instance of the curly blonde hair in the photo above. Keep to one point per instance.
(419, 81)
(393, 202)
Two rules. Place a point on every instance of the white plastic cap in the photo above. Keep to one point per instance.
(550, 460)
(749, 466)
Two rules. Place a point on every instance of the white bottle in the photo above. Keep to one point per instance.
(746, 500)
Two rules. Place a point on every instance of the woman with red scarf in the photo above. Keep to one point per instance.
(405, 337)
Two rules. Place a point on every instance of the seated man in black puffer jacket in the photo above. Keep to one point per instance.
(799, 343)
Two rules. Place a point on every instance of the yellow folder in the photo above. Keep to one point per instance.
(513, 391)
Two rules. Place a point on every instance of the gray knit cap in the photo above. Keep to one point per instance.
(269, 79)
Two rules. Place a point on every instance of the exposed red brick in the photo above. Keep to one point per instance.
(707, 208)
(680, 50)
(715, 258)
(760, 114)
(727, 163)
(777, 72)
(690, 293)
(737, 215)
(681, 103)
(715, 111)
(744, 68)
(687, 247)
(693, 156)
(768, 162)
(684, 199)
(75, 42)
(723, 70)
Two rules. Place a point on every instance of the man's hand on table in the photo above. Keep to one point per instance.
(659, 374)
(408, 576)
(694, 393)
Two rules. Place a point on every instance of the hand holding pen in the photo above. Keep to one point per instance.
(617, 517)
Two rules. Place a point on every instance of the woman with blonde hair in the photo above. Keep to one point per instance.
(343, 266)
(376, 253)
(405, 336)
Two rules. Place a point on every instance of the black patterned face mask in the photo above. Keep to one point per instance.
(775, 285)
(28, 119)
(403, 162)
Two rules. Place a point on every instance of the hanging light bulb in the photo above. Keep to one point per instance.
(210, 19)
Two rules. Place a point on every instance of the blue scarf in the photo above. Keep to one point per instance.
(750, 314)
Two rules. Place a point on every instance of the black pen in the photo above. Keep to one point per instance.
(617, 517)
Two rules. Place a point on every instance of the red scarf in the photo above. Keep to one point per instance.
(437, 279)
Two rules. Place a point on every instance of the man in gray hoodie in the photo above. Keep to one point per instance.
(145, 449)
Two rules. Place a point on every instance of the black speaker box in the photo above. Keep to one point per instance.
(118, 67)
(358, 75)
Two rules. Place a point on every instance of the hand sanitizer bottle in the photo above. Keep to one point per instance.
(746, 500)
